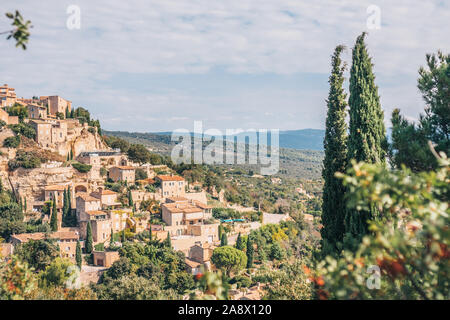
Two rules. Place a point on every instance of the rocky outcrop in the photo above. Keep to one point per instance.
(30, 183)
(87, 141)
(80, 141)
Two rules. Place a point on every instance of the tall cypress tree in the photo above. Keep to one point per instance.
(70, 213)
(54, 217)
(249, 253)
(89, 241)
(335, 147)
(130, 199)
(223, 240)
(78, 255)
(168, 241)
(150, 230)
(367, 134)
(64, 209)
(111, 241)
(240, 244)
(220, 231)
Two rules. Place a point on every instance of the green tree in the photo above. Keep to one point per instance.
(168, 241)
(124, 238)
(118, 143)
(139, 153)
(367, 137)
(141, 174)
(409, 244)
(277, 252)
(240, 242)
(410, 141)
(223, 240)
(250, 251)
(70, 212)
(19, 111)
(57, 273)
(130, 199)
(111, 241)
(54, 217)
(78, 255)
(335, 147)
(220, 228)
(37, 253)
(11, 142)
(89, 241)
(229, 259)
(65, 208)
(17, 279)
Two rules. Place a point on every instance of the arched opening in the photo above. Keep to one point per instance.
(80, 188)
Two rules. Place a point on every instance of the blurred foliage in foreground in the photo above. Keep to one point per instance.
(409, 241)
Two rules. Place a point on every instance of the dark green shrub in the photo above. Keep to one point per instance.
(11, 142)
(81, 167)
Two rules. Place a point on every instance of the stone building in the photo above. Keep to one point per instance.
(105, 258)
(103, 158)
(7, 96)
(141, 195)
(187, 217)
(201, 252)
(36, 111)
(107, 198)
(4, 116)
(53, 192)
(66, 238)
(86, 203)
(56, 104)
(101, 225)
(122, 173)
(49, 132)
(171, 186)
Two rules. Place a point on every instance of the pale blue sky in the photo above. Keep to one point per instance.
(160, 65)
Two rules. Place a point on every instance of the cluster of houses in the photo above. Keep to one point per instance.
(185, 215)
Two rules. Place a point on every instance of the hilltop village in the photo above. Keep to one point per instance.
(88, 197)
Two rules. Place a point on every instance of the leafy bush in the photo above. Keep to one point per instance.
(25, 159)
(11, 142)
(229, 259)
(241, 281)
(23, 129)
(18, 110)
(226, 213)
(141, 174)
(99, 247)
(81, 167)
(409, 244)
(16, 279)
(57, 273)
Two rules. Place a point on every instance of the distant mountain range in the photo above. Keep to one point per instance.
(304, 139)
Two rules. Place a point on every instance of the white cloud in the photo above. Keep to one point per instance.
(194, 37)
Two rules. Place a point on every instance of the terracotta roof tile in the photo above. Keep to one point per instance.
(86, 197)
(170, 178)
